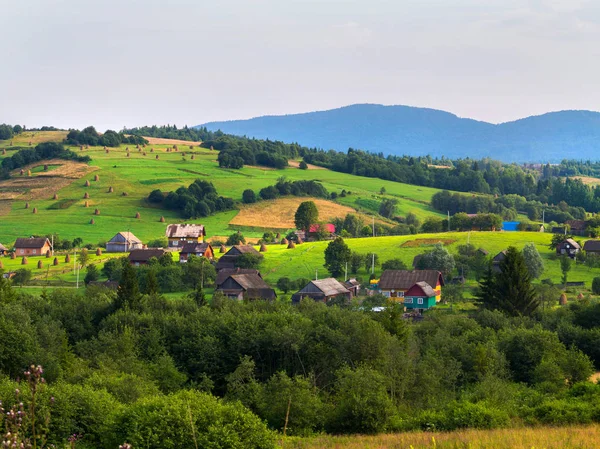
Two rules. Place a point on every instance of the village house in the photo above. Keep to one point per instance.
(246, 286)
(315, 229)
(420, 296)
(353, 285)
(568, 247)
(195, 249)
(592, 247)
(223, 274)
(139, 257)
(323, 290)
(123, 242)
(394, 284)
(229, 259)
(498, 258)
(32, 246)
(179, 234)
(578, 227)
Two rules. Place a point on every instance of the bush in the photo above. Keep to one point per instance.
(156, 196)
(235, 239)
(188, 420)
(303, 166)
(249, 197)
(596, 286)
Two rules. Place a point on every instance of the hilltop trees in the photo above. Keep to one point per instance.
(387, 208)
(200, 199)
(89, 136)
(6, 132)
(337, 254)
(306, 215)
(438, 259)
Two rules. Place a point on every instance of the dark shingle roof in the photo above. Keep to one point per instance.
(573, 243)
(245, 249)
(30, 243)
(424, 287)
(330, 287)
(253, 285)
(404, 279)
(185, 230)
(223, 274)
(193, 248)
(144, 255)
(592, 245)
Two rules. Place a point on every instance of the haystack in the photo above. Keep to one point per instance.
(55, 261)
(127, 154)
(137, 215)
(55, 197)
(4, 151)
(99, 252)
(26, 205)
(563, 300)
(35, 210)
(1, 265)
(48, 254)
(92, 221)
(192, 157)
(222, 249)
(28, 172)
(67, 258)
(87, 183)
(263, 248)
(162, 219)
(277, 236)
(40, 265)
(96, 178)
(110, 189)
(291, 245)
(97, 212)
(157, 156)
(86, 204)
(299, 241)
(124, 194)
(45, 167)
(13, 256)
(86, 196)
(106, 151)
(151, 150)
(284, 241)
(144, 153)
(24, 261)
(22, 172)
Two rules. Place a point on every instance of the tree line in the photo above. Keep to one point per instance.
(197, 134)
(89, 136)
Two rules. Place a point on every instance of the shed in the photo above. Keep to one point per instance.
(123, 242)
(229, 259)
(322, 290)
(139, 257)
(246, 286)
(223, 274)
(420, 296)
(196, 249)
(592, 246)
(178, 234)
(353, 285)
(395, 283)
(568, 247)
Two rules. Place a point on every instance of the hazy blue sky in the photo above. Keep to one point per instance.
(113, 63)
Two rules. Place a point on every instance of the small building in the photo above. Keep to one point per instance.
(316, 229)
(498, 258)
(353, 285)
(179, 234)
(395, 283)
(246, 286)
(229, 259)
(483, 251)
(139, 257)
(420, 296)
(322, 290)
(32, 246)
(592, 247)
(578, 227)
(195, 249)
(568, 247)
(3, 250)
(123, 242)
(223, 274)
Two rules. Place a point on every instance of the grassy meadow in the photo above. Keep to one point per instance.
(580, 437)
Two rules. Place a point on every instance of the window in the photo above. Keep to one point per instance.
(419, 300)
(34, 251)
(174, 242)
(22, 251)
(401, 294)
(408, 300)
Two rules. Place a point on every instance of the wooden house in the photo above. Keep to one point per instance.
(139, 257)
(395, 283)
(420, 296)
(578, 227)
(322, 290)
(229, 259)
(568, 247)
(123, 242)
(32, 246)
(246, 286)
(592, 247)
(498, 258)
(223, 274)
(179, 234)
(3, 250)
(196, 249)
(316, 229)
(353, 285)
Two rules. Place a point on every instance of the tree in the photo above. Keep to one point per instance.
(387, 208)
(306, 215)
(393, 264)
(510, 290)
(557, 239)
(284, 284)
(128, 291)
(356, 260)
(22, 276)
(248, 196)
(83, 257)
(91, 274)
(303, 165)
(337, 254)
(156, 196)
(533, 260)
(7, 294)
(411, 219)
(596, 286)
(565, 267)
(235, 239)
(438, 259)
(198, 296)
(151, 282)
(249, 260)
(382, 191)
(6, 132)
(371, 260)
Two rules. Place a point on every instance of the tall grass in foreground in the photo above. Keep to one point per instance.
(581, 437)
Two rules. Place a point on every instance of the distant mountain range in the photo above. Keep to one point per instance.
(415, 131)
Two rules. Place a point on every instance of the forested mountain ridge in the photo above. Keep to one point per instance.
(413, 131)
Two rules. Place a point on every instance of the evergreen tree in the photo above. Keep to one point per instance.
(510, 290)
(198, 295)
(128, 293)
(92, 274)
(151, 283)
(337, 254)
(565, 267)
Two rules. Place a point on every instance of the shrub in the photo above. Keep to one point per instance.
(249, 197)
(596, 286)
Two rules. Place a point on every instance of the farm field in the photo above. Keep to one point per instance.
(568, 437)
(133, 178)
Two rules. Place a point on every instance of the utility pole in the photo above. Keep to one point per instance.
(373, 225)
(78, 267)
(373, 264)
(346, 272)
(316, 274)
(543, 217)
(448, 221)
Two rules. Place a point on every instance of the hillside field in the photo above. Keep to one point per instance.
(580, 437)
(138, 175)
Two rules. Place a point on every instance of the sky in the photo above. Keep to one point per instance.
(116, 63)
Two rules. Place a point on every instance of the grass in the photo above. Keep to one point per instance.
(138, 175)
(568, 437)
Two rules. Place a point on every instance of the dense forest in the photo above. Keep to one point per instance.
(139, 368)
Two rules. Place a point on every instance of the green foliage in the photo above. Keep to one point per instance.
(128, 289)
(249, 260)
(200, 199)
(393, 264)
(92, 274)
(437, 259)
(565, 266)
(235, 239)
(306, 215)
(596, 286)
(248, 196)
(387, 208)
(533, 260)
(156, 196)
(110, 138)
(46, 150)
(303, 165)
(337, 254)
(285, 284)
(22, 276)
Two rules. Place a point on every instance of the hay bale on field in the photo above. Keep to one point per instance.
(157, 156)
(40, 265)
(30, 143)
(263, 248)
(222, 249)
(284, 241)
(67, 258)
(291, 245)
(580, 296)
(81, 148)
(137, 215)
(151, 150)
(106, 151)
(86, 196)
(110, 189)
(299, 241)
(124, 194)
(87, 147)
(127, 149)
(563, 300)
(22, 172)
(24, 261)
(96, 178)
(1, 265)
(4, 151)
(26, 205)
(162, 219)
(86, 204)
(35, 210)
(92, 221)
(98, 251)
(48, 254)
(144, 153)
(45, 167)
(13, 256)
(192, 157)
(55, 197)
(28, 172)
(191, 146)
(87, 183)
(55, 263)
(127, 154)
(97, 212)
(277, 236)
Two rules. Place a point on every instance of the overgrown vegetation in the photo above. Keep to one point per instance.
(89, 136)
(47, 150)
